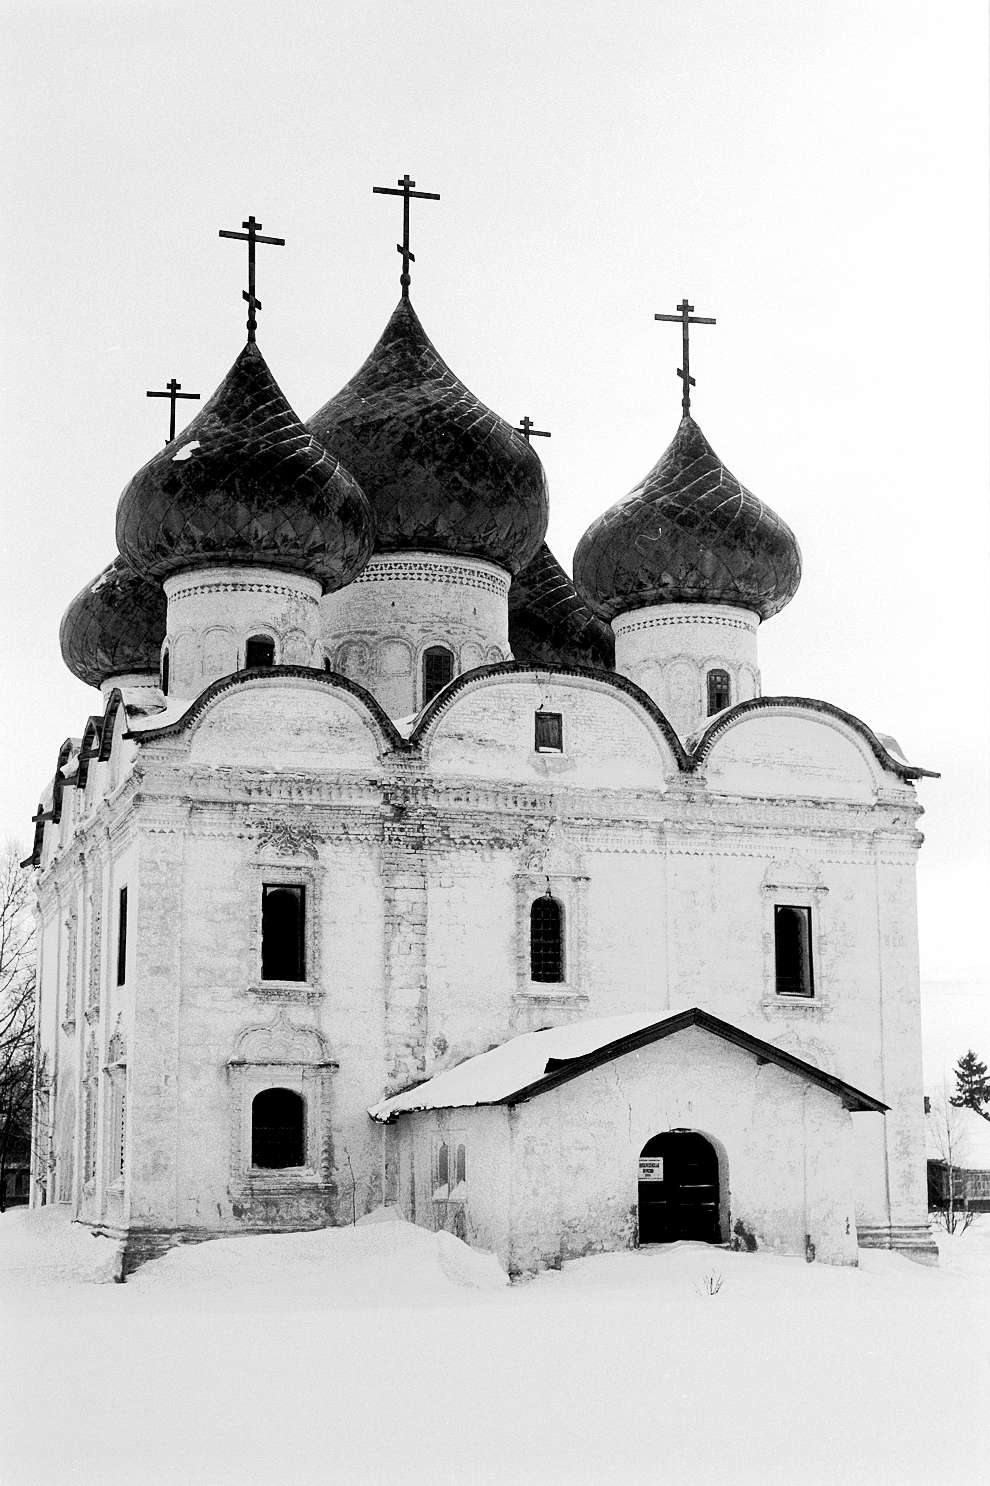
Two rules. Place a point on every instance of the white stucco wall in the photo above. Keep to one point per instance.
(668, 650)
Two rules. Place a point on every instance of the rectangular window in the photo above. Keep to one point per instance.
(122, 937)
(792, 951)
(283, 932)
(549, 735)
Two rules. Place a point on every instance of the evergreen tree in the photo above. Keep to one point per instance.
(972, 1085)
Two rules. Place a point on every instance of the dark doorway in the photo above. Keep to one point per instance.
(678, 1189)
(278, 1133)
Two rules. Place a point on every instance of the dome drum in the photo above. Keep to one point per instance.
(691, 659)
(213, 614)
(378, 630)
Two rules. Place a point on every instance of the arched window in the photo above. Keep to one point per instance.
(259, 651)
(278, 1129)
(283, 931)
(438, 670)
(165, 671)
(546, 940)
(718, 691)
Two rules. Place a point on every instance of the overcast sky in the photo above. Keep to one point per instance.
(813, 175)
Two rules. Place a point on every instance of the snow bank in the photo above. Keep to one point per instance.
(382, 1261)
(41, 1247)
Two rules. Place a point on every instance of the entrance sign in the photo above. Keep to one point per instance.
(651, 1168)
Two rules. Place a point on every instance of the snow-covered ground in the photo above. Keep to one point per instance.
(383, 1353)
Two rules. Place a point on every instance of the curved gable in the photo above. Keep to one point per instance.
(786, 747)
(287, 717)
(483, 725)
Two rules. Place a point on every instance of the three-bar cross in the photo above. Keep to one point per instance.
(684, 372)
(406, 191)
(252, 236)
(529, 432)
(173, 394)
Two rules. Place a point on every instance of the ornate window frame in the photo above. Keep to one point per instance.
(570, 890)
(280, 1054)
(300, 869)
(115, 1069)
(795, 884)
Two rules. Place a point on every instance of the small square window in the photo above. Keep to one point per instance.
(792, 951)
(549, 732)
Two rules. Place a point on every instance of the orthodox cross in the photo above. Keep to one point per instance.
(173, 394)
(406, 191)
(684, 372)
(252, 236)
(529, 432)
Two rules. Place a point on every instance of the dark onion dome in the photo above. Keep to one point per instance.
(246, 483)
(443, 473)
(115, 625)
(689, 533)
(549, 625)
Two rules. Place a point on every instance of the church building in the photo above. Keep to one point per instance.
(395, 865)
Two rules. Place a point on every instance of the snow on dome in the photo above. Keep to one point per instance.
(114, 626)
(250, 485)
(688, 533)
(443, 473)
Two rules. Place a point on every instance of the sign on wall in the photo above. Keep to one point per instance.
(651, 1168)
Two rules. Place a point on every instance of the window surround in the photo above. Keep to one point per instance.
(285, 873)
(796, 886)
(570, 890)
(280, 1054)
(448, 1177)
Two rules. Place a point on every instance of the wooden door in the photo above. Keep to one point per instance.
(678, 1189)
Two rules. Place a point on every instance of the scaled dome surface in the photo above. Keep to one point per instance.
(688, 533)
(115, 625)
(443, 473)
(246, 483)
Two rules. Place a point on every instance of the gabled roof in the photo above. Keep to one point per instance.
(536, 1062)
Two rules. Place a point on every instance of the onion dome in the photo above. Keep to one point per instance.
(115, 625)
(443, 473)
(549, 625)
(689, 533)
(246, 484)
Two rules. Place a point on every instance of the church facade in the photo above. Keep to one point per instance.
(397, 866)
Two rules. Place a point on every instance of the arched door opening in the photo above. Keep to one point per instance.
(679, 1189)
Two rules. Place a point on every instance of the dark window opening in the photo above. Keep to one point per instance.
(278, 1129)
(718, 691)
(122, 937)
(549, 732)
(165, 673)
(460, 1174)
(283, 926)
(260, 651)
(438, 671)
(792, 951)
(443, 1164)
(546, 940)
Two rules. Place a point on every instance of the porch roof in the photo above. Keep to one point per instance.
(536, 1062)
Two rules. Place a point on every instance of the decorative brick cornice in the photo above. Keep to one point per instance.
(623, 625)
(279, 590)
(383, 569)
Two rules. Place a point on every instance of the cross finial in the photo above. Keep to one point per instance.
(251, 237)
(529, 432)
(686, 318)
(405, 190)
(173, 394)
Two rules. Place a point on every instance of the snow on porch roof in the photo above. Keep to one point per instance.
(538, 1061)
